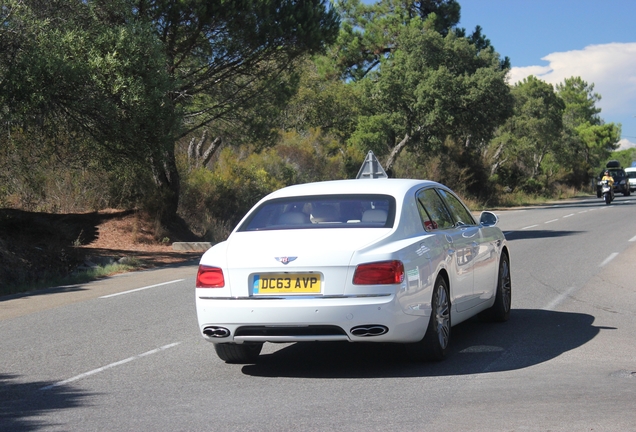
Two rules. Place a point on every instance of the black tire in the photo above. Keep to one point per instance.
(627, 192)
(434, 344)
(500, 310)
(238, 353)
(608, 199)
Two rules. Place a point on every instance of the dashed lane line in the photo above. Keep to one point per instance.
(109, 366)
(141, 289)
(608, 259)
(557, 300)
(567, 216)
(570, 291)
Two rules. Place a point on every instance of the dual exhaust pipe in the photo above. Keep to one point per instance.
(368, 330)
(216, 332)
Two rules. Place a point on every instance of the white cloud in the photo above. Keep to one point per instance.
(625, 144)
(610, 67)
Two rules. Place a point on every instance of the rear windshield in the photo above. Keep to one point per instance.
(615, 173)
(329, 211)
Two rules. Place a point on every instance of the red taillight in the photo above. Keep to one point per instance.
(210, 277)
(379, 273)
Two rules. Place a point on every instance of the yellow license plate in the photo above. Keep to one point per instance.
(306, 283)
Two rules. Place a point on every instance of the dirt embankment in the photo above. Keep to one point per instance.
(37, 246)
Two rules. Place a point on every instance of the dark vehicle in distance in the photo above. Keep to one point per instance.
(621, 180)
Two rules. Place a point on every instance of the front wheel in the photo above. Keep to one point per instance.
(434, 344)
(608, 198)
(500, 310)
(238, 353)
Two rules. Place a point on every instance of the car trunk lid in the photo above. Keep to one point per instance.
(297, 255)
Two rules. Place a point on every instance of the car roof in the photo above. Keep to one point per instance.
(630, 169)
(393, 187)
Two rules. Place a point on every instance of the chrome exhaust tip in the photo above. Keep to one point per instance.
(369, 330)
(216, 332)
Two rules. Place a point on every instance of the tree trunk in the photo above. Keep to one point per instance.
(395, 153)
(495, 166)
(168, 185)
(196, 157)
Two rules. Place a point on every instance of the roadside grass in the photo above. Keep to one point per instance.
(522, 199)
(77, 277)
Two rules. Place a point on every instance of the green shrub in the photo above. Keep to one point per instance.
(214, 200)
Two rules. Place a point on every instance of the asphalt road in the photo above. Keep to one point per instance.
(125, 354)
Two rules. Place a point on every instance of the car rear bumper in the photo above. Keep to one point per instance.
(355, 319)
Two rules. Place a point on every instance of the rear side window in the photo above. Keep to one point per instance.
(434, 213)
(329, 211)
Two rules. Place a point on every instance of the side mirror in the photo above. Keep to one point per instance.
(488, 218)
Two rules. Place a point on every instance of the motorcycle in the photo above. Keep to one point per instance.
(606, 191)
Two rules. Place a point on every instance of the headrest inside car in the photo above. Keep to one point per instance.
(293, 218)
(374, 216)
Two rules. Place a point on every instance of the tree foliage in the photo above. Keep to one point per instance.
(555, 135)
(430, 88)
(587, 140)
(532, 133)
(369, 31)
(199, 95)
(135, 76)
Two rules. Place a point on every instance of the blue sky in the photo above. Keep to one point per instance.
(557, 39)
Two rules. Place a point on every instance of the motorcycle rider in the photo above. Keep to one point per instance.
(610, 180)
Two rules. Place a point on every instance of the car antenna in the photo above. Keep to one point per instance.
(371, 168)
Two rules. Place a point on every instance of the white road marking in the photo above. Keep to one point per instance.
(633, 239)
(140, 289)
(557, 301)
(567, 216)
(112, 365)
(584, 211)
(528, 227)
(550, 221)
(608, 259)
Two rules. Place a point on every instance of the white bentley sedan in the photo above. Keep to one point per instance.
(365, 260)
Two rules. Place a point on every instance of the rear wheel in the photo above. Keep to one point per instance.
(500, 311)
(434, 344)
(238, 353)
